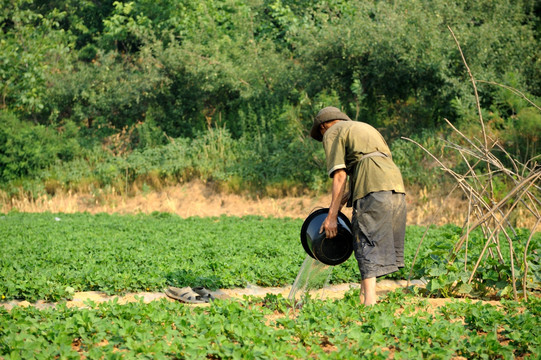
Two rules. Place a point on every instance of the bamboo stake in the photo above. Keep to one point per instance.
(461, 182)
(473, 83)
(512, 90)
(525, 277)
(510, 255)
(513, 277)
(467, 230)
(532, 178)
(492, 216)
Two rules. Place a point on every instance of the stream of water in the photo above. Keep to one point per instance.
(312, 275)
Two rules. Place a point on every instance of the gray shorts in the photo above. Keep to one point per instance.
(379, 226)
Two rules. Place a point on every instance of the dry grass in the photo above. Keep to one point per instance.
(199, 199)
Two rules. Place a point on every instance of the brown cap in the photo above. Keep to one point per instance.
(326, 114)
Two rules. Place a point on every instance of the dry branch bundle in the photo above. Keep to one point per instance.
(486, 210)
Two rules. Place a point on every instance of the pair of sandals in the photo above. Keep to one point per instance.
(190, 295)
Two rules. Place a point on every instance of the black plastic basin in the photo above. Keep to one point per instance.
(329, 251)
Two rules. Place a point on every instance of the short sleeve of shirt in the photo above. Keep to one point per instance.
(335, 151)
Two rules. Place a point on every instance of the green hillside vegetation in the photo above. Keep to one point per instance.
(109, 94)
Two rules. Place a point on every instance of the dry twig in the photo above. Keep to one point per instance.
(491, 213)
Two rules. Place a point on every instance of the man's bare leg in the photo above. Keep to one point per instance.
(368, 289)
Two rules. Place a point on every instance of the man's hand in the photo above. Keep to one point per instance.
(330, 226)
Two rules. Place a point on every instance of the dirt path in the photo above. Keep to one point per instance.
(329, 292)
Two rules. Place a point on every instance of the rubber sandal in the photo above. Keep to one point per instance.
(204, 293)
(186, 295)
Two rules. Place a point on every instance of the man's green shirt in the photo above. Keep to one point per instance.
(345, 144)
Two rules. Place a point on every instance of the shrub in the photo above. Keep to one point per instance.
(26, 150)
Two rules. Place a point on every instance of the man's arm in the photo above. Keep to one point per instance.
(330, 225)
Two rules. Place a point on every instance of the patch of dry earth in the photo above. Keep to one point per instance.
(329, 292)
(199, 199)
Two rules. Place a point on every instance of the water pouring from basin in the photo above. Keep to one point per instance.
(313, 275)
(322, 253)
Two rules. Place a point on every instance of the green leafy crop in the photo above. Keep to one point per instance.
(50, 256)
(400, 326)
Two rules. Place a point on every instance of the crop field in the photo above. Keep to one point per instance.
(49, 257)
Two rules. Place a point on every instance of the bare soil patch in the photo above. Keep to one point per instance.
(80, 299)
(199, 199)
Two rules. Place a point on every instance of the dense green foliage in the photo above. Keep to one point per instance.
(116, 91)
(270, 329)
(49, 256)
